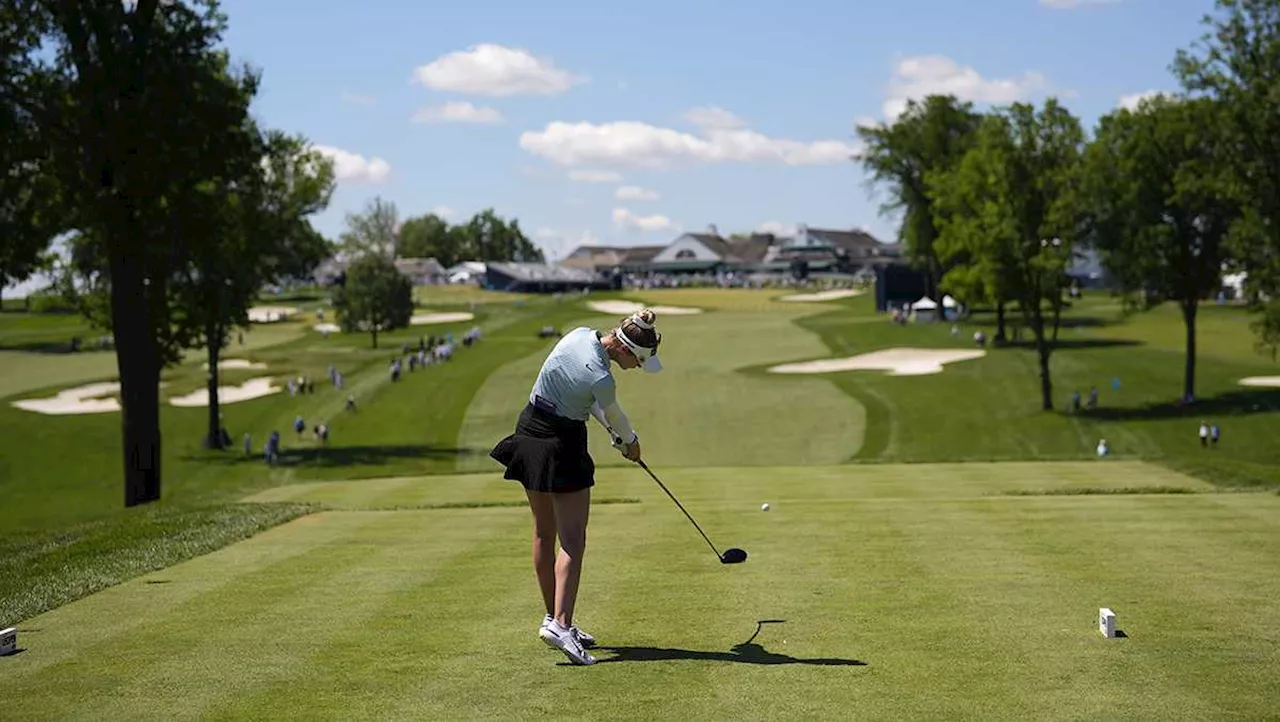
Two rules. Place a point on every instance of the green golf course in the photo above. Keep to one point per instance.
(936, 546)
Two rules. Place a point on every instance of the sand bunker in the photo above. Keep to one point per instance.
(252, 389)
(894, 361)
(823, 295)
(421, 319)
(327, 327)
(80, 400)
(1261, 381)
(270, 314)
(237, 363)
(622, 308)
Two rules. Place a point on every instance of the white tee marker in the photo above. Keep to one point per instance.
(1107, 622)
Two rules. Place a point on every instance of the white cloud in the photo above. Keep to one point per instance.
(444, 212)
(916, 77)
(714, 118)
(348, 166)
(1132, 100)
(358, 99)
(495, 70)
(635, 193)
(640, 145)
(1070, 4)
(777, 228)
(595, 176)
(627, 220)
(457, 111)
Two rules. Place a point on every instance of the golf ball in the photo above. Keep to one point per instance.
(764, 507)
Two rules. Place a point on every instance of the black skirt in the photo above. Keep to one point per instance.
(547, 453)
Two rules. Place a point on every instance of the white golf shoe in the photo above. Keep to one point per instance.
(585, 639)
(565, 640)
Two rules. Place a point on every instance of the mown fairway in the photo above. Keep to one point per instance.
(907, 591)
(374, 579)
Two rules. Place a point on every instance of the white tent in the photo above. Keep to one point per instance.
(949, 302)
(926, 309)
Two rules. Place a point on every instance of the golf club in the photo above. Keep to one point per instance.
(730, 556)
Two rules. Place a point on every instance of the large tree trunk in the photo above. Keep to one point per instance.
(1000, 335)
(1189, 376)
(139, 368)
(1043, 350)
(213, 335)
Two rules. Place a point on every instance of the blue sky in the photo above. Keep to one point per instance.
(738, 114)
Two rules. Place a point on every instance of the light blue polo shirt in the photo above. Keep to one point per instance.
(575, 374)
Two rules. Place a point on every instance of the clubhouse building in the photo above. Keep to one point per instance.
(708, 256)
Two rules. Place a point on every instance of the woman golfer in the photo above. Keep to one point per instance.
(548, 455)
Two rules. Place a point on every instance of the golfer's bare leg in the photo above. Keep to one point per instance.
(571, 524)
(544, 545)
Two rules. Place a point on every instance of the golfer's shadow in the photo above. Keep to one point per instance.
(747, 652)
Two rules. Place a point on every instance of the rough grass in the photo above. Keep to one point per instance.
(988, 409)
(44, 571)
(467, 294)
(898, 591)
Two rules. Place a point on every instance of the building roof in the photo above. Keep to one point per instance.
(716, 244)
(419, 265)
(752, 248)
(848, 240)
(641, 254)
(592, 256)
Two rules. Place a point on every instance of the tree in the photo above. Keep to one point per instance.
(929, 137)
(134, 108)
(1011, 209)
(489, 237)
(374, 231)
(1160, 206)
(29, 208)
(1236, 63)
(427, 236)
(255, 231)
(375, 296)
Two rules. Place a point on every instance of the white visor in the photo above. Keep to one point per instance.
(648, 357)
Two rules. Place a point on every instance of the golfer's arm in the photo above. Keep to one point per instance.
(598, 412)
(610, 413)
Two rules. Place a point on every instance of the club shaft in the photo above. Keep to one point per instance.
(677, 501)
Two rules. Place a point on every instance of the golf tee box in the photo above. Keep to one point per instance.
(8, 641)
(1107, 622)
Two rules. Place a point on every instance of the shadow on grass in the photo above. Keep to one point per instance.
(61, 347)
(747, 652)
(334, 456)
(984, 318)
(1234, 403)
(1028, 341)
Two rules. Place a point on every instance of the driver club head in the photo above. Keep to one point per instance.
(733, 556)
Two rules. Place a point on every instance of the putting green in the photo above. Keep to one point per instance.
(698, 411)
(907, 592)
